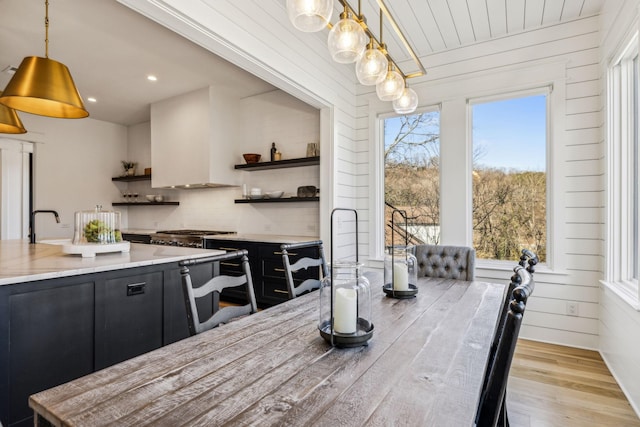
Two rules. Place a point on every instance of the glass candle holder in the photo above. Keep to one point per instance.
(345, 306)
(400, 269)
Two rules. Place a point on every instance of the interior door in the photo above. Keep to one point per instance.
(15, 188)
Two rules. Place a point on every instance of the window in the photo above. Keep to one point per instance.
(623, 172)
(509, 187)
(412, 176)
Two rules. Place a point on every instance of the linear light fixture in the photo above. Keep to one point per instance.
(343, 33)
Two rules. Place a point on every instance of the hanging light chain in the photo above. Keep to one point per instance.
(46, 28)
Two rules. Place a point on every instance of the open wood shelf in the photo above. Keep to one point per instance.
(145, 203)
(280, 200)
(281, 164)
(130, 178)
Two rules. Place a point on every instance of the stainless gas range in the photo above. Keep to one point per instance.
(188, 238)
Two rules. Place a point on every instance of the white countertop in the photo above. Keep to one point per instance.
(266, 238)
(21, 261)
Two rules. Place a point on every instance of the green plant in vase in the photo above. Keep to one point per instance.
(129, 168)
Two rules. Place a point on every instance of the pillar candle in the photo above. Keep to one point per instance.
(400, 277)
(345, 311)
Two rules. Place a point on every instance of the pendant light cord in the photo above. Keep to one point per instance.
(46, 28)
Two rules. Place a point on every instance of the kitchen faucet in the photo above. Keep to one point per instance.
(32, 222)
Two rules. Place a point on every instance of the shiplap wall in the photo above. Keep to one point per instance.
(565, 56)
(257, 36)
(619, 322)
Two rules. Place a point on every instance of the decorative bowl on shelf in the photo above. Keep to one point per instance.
(274, 194)
(251, 157)
(151, 197)
(159, 198)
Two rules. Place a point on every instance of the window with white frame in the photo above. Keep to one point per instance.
(412, 177)
(509, 178)
(623, 188)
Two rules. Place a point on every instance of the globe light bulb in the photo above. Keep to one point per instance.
(347, 40)
(391, 87)
(407, 103)
(310, 16)
(372, 66)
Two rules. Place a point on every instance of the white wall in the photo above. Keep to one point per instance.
(619, 322)
(257, 36)
(270, 117)
(73, 163)
(564, 57)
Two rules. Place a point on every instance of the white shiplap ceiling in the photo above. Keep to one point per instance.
(110, 49)
(433, 26)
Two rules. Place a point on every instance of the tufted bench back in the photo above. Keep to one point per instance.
(448, 262)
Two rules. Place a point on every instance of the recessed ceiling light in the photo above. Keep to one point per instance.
(152, 78)
(92, 99)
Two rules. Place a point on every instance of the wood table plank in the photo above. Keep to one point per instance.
(424, 365)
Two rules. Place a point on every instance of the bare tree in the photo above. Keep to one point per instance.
(509, 207)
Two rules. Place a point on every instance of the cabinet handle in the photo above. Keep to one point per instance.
(229, 264)
(280, 291)
(279, 269)
(228, 249)
(135, 288)
(288, 253)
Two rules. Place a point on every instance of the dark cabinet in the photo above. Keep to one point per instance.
(50, 342)
(267, 269)
(53, 331)
(128, 317)
(230, 268)
(274, 283)
(175, 312)
(137, 238)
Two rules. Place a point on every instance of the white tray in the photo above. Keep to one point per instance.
(89, 250)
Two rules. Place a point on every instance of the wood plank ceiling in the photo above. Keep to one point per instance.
(432, 26)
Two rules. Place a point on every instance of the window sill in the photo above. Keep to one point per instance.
(626, 291)
(503, 266)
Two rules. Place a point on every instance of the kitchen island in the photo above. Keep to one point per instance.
(423, 366)
(63, 316)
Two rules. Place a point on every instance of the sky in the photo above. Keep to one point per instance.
(512, 132)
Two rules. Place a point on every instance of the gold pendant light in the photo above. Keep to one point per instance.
(9, 120)
(43, 86)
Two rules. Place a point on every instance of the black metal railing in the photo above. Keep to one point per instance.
(411, 238)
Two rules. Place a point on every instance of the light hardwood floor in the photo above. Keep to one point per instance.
(552, 385)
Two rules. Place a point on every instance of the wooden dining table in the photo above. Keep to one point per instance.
(423, 366)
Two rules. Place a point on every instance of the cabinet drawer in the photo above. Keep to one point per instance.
(275, 288)
(128, 317)
(225, 245)
(273, 268)
(274, 252)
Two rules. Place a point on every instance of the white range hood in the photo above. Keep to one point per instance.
(192, 136)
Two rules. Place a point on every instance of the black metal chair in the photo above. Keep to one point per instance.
(528, 261)
(299, 286)
(492, 410)
(447, 262)
(216, 284)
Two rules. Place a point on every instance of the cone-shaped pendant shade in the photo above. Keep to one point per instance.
(43, 86)
(9, 121)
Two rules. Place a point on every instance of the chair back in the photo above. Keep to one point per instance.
(297, 286)
(216, 284)
(492, 407)
(447, 262)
